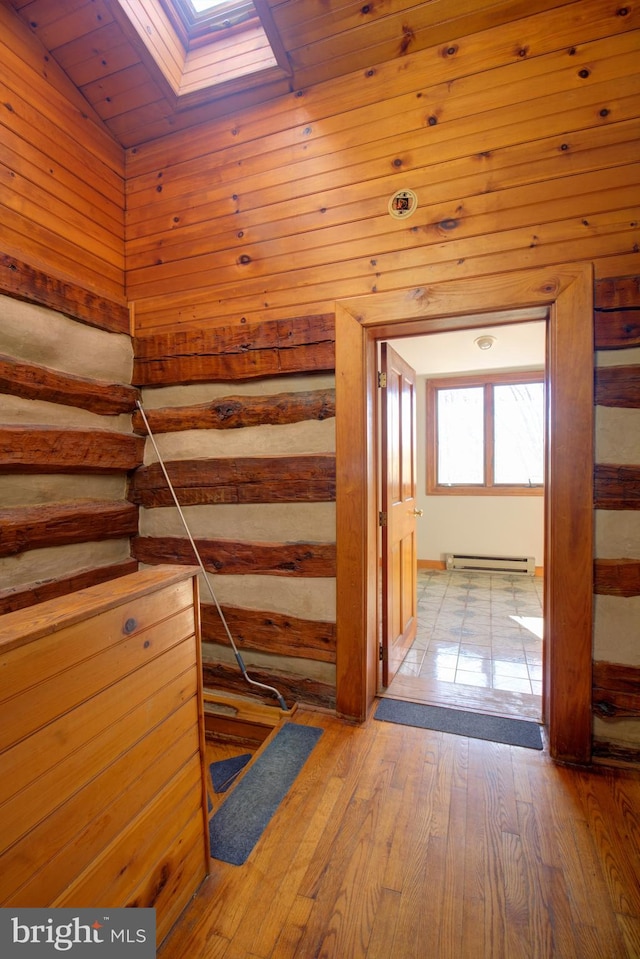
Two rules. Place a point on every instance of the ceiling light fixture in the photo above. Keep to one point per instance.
(484, 342)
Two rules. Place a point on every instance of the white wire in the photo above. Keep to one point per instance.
(205, 573)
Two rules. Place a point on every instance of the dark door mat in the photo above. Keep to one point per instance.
(225, 771)
(513, 732)
(238, 824)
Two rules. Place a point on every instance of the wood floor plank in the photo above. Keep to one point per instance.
(404, 842)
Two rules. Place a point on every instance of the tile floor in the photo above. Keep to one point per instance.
(480, 630)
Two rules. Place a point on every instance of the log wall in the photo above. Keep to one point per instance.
(66, 448)
(254, 473)
(616, 678)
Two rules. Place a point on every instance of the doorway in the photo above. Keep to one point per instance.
(567, 291)
(478, 633)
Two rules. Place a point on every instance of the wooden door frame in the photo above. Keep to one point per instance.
(567, 292)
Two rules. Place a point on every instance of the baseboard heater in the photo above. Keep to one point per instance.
(498, 564)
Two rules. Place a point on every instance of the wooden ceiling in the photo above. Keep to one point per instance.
(111, 51)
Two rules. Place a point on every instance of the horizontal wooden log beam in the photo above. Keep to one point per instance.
(618, 386)
(37, 527)
(234, 412)
(23, 282)
(232, 558)
(617, 293)
(616, 691)
(617, 577)
(246, 351)
(22, 597)
(34, 382)
(616, 330)
(616, 486)
(270, 632)
(47, 449)
(307, 478)
(294, 689)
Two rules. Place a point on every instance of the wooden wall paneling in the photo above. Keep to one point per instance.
(235, 558)
(420, 27)
(360, 91)
(438, 217)
(64, 211)
(34, 527)
(307, 478)
(469, 176)
(136, 127)
(19, 40)
(129, 85)
(597, 236)
(58, 24)
(25, 449)
(68, 119)
(491, 91)
(481, 218)
(109, 53)
(501, 87)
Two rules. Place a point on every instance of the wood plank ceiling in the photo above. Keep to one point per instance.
(111, 52)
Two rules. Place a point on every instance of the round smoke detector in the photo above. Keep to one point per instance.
(402, 204)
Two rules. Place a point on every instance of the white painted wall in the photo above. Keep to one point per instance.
(491, 525)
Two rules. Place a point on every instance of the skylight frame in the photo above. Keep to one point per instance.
(228, 17)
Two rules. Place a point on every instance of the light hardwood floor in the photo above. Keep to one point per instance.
(403, 843)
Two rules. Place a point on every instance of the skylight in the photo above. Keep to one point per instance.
(201, 6)
(205, 49)
(201, 16)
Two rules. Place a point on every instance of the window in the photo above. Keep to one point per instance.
(201, 20)
(485, 434)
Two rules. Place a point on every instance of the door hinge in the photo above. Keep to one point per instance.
(382, 380)
(380, 652)
(382, 518)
